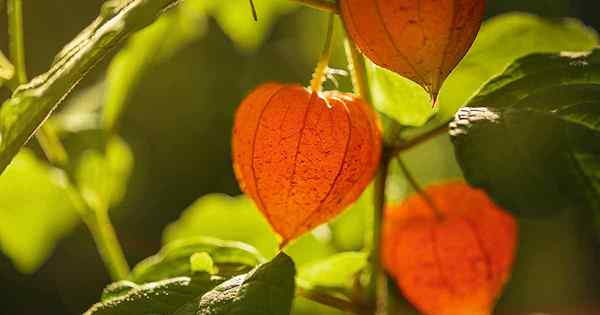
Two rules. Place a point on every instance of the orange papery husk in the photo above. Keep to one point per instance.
(304, 156)
(454, 259)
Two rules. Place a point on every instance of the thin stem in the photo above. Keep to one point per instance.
(97, 221)
(17, 44)
(415, 185)
(319, 5)
(253, 8)
(332, 301)
(319, 74)
(49, 141)
(53, 148)
(420, 139)
(357, 67)
(378, 286)
(107, 243)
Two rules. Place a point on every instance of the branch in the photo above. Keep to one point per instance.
(332, 301)
(420, 139)
(32, 103)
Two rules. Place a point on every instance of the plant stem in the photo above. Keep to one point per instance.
(97, 221)
(332, 301)
(356, 63)
(377, 289)
(378, 286)
(107, 243)
(420, 139)
(253, 8)
(17, 45)
(53, 148)
(415, 185)
(316, 84)
(47, 138)
(320, 5)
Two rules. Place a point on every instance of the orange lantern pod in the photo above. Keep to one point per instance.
(303, 156)
(454, 259)
(422, 40)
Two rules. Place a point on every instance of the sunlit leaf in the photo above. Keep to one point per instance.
(501, 40)
(101, 167)
(336, 273)
(235, 17)
(237, 219)
(174, 259)
(267, 290)
(162, 297)
(35, 211)
(6, 69)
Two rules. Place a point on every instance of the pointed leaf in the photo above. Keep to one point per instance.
(209, 214)
(267, 290)
(531, 137)
(174, 259)
(162, 297)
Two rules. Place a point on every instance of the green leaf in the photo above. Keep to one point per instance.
(501, 40)
(32, 103)
(267, 290)
(173, 260)
(398, 97)
(6, 69)
(531, 137)
(117, 289)
(162, 297)
(171, 33)
(235, 17)
(336, 273)
(201, 262)
(348, 230)
(35, 211)
(101, 167)
(209, 214)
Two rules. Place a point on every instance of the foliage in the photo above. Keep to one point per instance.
(528, 136)
(538, 119)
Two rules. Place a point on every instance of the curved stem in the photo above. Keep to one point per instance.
(356, 63)
(17, 43)
(332, 301)
(319, 5)
(316, 84)
(420, 139)
(415, 185)
(107, 243)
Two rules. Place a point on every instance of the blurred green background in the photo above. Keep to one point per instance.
(178, 121)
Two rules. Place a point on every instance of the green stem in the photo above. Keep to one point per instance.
(332, 301)
(420, 139)
(320, 5)
(17, 43)
(53, 148)
(356, 64)
(107, 243)
(378, 286)
(49, 141)
(316, 84)
(377, 289)
(415, 185)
